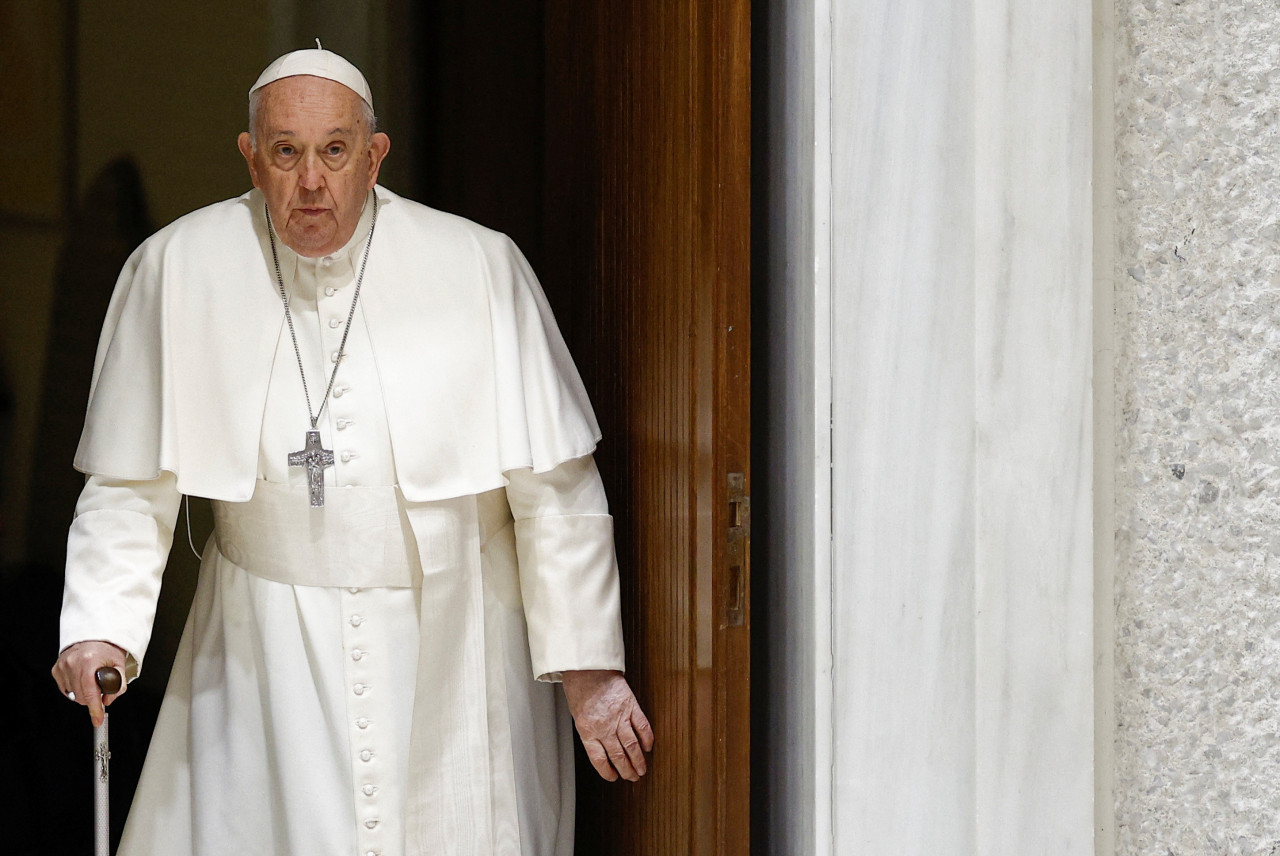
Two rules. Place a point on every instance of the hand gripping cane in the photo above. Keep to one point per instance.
(109, 684)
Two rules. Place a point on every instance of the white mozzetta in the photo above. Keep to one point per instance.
(458, 324)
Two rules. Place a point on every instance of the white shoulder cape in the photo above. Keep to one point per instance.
(476, 377)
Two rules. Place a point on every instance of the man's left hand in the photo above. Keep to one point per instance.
(613, 728)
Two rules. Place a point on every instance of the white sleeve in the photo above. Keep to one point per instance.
(116, 553)
(568, 569)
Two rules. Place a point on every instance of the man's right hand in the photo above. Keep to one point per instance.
(76, 671)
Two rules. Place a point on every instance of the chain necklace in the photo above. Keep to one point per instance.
(313, 455)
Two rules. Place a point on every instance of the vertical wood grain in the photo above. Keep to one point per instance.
(647, 261)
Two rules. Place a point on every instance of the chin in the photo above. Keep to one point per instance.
(310, 243)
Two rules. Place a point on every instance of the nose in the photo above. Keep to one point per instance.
(310, 174)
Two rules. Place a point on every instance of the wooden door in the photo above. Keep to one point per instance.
(610, 139)
(646, 259)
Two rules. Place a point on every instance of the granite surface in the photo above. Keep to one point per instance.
(1197, 755)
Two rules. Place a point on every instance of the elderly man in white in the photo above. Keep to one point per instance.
(411, 545)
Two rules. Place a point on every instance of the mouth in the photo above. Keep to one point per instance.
(312, 212)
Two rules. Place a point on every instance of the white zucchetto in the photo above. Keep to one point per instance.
(317, 63)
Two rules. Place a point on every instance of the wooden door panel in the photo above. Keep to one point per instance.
(647, 262)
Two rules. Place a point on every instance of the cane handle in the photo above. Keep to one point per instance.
(108, 680)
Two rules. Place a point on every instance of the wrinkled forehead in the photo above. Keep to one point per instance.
(308, 102)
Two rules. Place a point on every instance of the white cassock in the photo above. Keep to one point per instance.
(373, 677)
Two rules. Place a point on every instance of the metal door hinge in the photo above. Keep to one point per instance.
(739, 551)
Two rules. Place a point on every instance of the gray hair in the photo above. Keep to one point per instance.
(366, 114)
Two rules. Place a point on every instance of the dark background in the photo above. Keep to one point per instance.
(125, 117)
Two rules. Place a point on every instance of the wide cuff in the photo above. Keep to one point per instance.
(114, 564)
(569, 584)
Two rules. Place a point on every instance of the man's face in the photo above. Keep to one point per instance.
(314, 161)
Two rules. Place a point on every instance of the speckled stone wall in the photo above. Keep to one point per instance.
(1197, 753)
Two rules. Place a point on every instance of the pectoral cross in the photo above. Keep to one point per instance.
(315, 458)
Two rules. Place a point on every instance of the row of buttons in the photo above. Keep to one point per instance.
(358, 675)
(362, 688)
(338, 391)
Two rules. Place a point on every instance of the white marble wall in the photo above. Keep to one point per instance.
(1033, 392)
(1197, 276)
(928, 562)
(904, 439)
(961, 256)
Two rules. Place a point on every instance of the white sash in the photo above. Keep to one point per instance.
(361, 537)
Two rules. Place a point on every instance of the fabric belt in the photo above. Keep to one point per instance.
(361, 537)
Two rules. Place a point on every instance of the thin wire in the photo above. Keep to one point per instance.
(351, 314)
(191, 541)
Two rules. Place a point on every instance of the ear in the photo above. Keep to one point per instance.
(245, 144)
(379, 145)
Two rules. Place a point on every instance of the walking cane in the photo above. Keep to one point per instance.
(108, 684)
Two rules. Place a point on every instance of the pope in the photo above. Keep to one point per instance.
(411, 548)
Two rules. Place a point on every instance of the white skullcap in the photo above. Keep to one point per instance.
(317, 63)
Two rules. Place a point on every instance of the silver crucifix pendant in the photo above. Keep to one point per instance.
(315, 458)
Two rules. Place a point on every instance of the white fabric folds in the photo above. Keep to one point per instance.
(395, 691)
(461, 786)
(476, 378)
(260, 725)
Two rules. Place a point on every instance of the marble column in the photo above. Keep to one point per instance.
(961, 368)
(1033, 412)
(903, 380)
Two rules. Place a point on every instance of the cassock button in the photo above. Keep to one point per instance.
(362, 723)
(371, 823)
(335, 356)
(334, 323)
(330, 291)
(368, 790)
(339, 391)
(354, 590)
(371, 853)
(357, 654)
(356, 621)
(366, 755)
(346, 457)
(359, 689)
